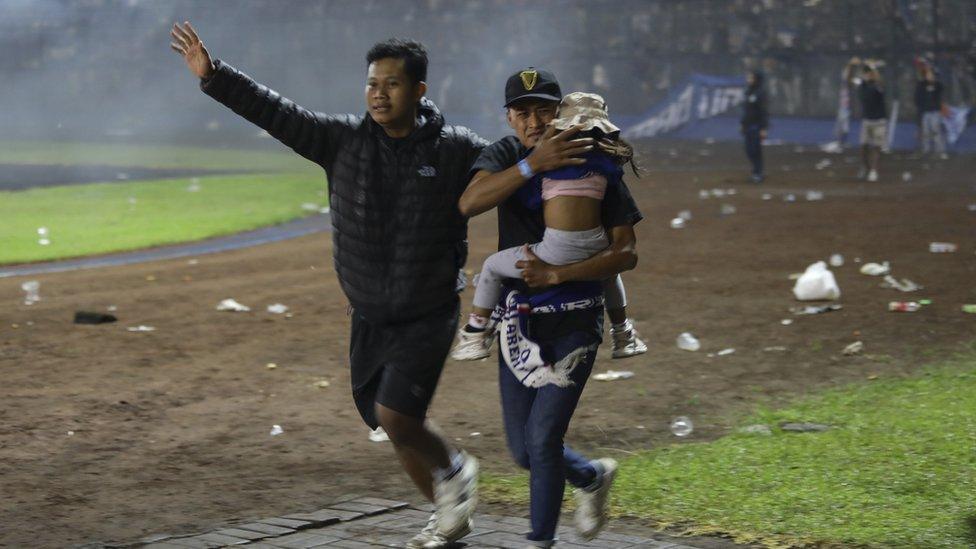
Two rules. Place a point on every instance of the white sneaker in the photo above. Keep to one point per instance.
(473, 345)
(626, 341)
(873, 175)
(432, 538)
(591, 506)
(456, 498)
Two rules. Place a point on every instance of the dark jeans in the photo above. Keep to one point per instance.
(754, 149)
(535, 423)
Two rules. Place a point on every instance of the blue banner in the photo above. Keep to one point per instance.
(699, 97)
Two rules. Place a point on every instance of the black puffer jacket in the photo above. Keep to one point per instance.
(399, 239)
(755, 112)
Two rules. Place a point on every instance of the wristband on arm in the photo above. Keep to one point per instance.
(525, 169)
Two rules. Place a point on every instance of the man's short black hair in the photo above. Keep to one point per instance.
(413, 53)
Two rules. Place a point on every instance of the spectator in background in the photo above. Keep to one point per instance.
(928, 101)
(755, 122)
(874, 116)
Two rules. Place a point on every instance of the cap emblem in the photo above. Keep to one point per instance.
(529, 78)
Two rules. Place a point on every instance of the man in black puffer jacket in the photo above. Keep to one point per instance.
(395, 176)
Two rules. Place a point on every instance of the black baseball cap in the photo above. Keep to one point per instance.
(532, 83)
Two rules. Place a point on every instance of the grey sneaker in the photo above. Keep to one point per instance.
(473, 345)
(626, 341)
(456, 498)
(431, 538)
(591, 505)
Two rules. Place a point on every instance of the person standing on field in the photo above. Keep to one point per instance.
(395, 175)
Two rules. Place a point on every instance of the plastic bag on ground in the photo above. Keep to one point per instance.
(816, 283)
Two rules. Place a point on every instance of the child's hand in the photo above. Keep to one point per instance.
(535, 272)
(558, 150)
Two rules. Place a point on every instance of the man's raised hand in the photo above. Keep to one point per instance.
(557, 151)
(187, 43)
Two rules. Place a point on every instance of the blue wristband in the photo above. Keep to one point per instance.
(525, 169)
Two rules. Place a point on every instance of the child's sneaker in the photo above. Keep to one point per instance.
(626, 341)
(473, 345)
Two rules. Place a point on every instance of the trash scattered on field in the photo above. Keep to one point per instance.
(703, 194)
(677, 223)
(42, 231)
(33, 290)
(786, 321)
(324, 210)
(682, 426)
(88, 317)
(233, 306)
(276, 430)
(804, 427)
(814, 196)
(876, 269)
(969, 308)
(688, 342)
(194, 186)
(767, 196)
(789, 198)
(310, 207)
(836, 260)
(321, 384)
(685, 214)
(725, 352)
(111, 308)
(906, 176)
(718, 193)
(833, 147)
(758, 429)
(775, 348)
(727, 209)
(816, 283)
(823, 164)
(924, 301)
(942, 247)
(903, 285)
(277, 309)
(271, 365)
(854, 348)
(613, 375)
(193, 261)
(141, 328)
(904, 306)
(378, 435)
(816, 309)
(475, 434)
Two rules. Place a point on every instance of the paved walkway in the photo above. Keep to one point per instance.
(368, 522)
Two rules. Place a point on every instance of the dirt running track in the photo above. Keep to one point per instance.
(171, 427)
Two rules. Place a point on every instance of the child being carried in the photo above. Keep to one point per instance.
(571, 199)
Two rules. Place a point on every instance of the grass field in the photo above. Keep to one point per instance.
(152, 156)
(100, 218)
(897, 469)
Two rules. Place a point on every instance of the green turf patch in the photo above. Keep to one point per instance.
(898, 469)
(107, 217)
(152, 156)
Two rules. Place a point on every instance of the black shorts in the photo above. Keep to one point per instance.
(399, 365)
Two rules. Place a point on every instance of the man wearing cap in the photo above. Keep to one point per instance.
(535, 94)
(536, 419)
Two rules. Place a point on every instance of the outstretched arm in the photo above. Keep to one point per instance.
(619, 257)
(310, 134)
